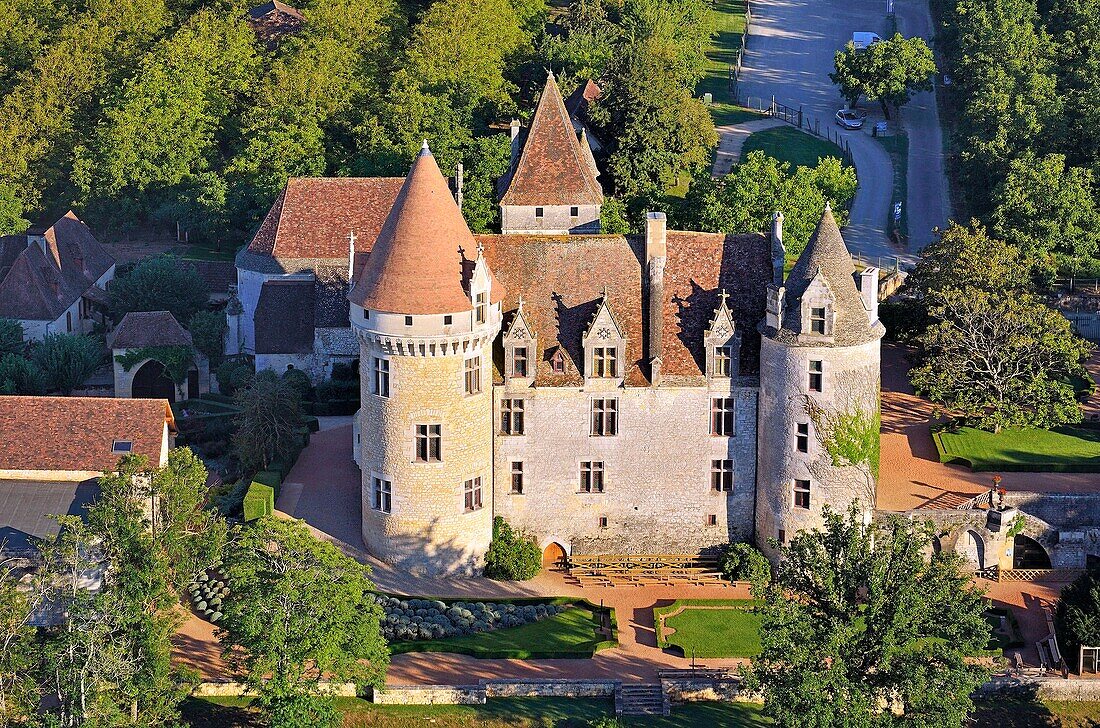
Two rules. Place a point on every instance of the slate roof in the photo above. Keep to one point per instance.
(285, 316)
(26, 507)
(78, 433)
(217, 275)
(552, 168)
(419, 262)
(827, 255)
(43, 281)
(139, 329)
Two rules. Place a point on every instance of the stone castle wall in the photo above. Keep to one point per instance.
(555, 219)
(658, 491)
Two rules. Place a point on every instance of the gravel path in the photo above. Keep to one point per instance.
(731, 138)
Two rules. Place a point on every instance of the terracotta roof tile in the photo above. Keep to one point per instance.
(285, 317)
(578, 101)
(419, 262)
(138, 329)
(552, 169)
(78, 433)
(273, 20)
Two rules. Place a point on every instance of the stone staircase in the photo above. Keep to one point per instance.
(641, 699)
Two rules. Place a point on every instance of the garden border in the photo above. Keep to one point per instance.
(660, 614)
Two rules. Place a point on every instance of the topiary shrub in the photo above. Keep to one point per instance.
(1077, 616)
(300, 381)
(259, 501)
(512, 555)
(744, 562)
(234, 374)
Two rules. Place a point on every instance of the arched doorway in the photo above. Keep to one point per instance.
(152, 382)
(972, 548)
(1027, 553)
(553, 555)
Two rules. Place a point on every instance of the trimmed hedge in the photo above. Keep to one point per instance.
(271, 478)
(259, 500)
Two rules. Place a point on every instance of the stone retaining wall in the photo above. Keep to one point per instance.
(230, 689)
(550, 688)
(695, 691)
(1044, 688)
(430, 695)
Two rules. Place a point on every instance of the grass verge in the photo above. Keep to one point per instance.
(788, 144)
(728, 18)
(897, 147)
(1002, 713)
(1065, 449)
(710, 628)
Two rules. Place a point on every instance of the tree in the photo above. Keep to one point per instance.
(20, 376)
(11, 337)
(18, 688)
(968, 258)
(889, 72)
(12, 221)
(66, 360)
(1075, 27)
(487, 160)
(208, 330)
(613, 219)
(268, 427)
(1077, 615)
(191, 536)
(298, 610)
(1000, 361)
(744, 562)
(512, 555)
(1048, 211)
(860, 628)
(158, 283)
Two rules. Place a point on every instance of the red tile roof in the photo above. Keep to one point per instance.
(78, 433)
(149, 328)
(314, 216)
(419, 262)
(552, 169)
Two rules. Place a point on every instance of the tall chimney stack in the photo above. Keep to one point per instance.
(779, 252)
(656, 253)
(515, 142)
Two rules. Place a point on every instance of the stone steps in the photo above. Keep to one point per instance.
(642, 699)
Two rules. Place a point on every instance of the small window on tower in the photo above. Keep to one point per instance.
(481, 308)
(816, 376)
(574, 212)
(712, 520)
(408, 320)
(801, 494)
(538, 212)
(802, 437)
(602, 521)
(817, 320)
(448, 320)
(472, 381)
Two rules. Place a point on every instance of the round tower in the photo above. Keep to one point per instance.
(426, 309)
(819, 390)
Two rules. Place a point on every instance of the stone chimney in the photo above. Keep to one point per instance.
(515, 141)
(779, 252)
(867, 285)
(458, 185)
(656, 253)
(773, 313)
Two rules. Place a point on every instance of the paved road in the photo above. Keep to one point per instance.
(790, 54)
(929, 205)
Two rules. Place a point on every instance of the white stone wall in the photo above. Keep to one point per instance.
(658, 491)
(124, 379)
(851, 378)
(38, 330)
(556, 219)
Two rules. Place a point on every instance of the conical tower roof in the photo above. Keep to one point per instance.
(424, 253)
(552, 169)
(827, 256)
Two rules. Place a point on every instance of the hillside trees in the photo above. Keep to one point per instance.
(158, 283)
(889, 72)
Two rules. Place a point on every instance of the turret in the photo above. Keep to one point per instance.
(819, 385)
(426, 309)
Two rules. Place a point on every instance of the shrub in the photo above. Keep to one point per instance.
(66, 360)
(259, 500)
(233, 375)
(744, 562)
(300, 381)
(208, 333)
(345, 372)
(905, 319)
(512, 555)
(270, 478)
(20, 376)
(1077, 616)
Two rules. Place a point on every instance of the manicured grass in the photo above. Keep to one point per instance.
(788, 144)
(568, 634)
(1061, 450)
(724, 114)
(496, 713)
(1002, 713)
(728, 17)
(731, 630)
(898, 148)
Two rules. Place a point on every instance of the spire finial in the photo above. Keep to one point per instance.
(724, 296)
(519, 306)
(828, 206)
(424, 148)
(604, 293)
(480, 248)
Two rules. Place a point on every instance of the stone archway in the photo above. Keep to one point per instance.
(152, 382)
(1027, 553)
(552, 555)
(972, 548)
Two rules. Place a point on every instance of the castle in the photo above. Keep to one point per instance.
(663, 393)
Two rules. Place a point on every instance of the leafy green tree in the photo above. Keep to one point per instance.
(968, 258)
(20, 376)
(11, 211)
(269, 423)
(889, 72)
(586, 47)
(66, 360)
(860, 628)
(234, 375)
(1048, 211)
(1077, 615)
(11, 337)
(1075, 28)
(158, 283)
(744, 562)
(298, 610)
(512, 555)
(191, 536)
(19, 696)
(613, 217)
(1000, 361)
(488, 159)
(208, 330)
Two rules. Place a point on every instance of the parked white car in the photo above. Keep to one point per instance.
(850, 118)
(865, 40)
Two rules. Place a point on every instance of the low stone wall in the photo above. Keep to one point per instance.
(696, 691)
(230, 689)
(550, 688)
(430, 695)
(1044, 688)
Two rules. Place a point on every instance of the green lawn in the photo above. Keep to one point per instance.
(732, 631)
(788, 144)
(568, 634)
(724, 114)
(1061, 450)
(898, 148)
(728, 17)
(1003, 713)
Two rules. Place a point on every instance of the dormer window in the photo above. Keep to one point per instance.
(519, 362)
(481, 308)
(557, 362)
(538, 212)
(122, 447)
(817, 320)
(722, 356)
(723, 342)
(605, 362)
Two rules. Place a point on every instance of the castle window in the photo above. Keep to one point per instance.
(782, 537)
(592, 476)
(382, 377)
(801, 494)
(574, 212)
(481, 308)
(557, 363)
(802, 436)
(472, 493)
(721, 416)
(382, 494)
(605, 417)
(538, 212)
(605, 364)
(816, 376)
(511, 416)
(519, 362)
(712, 520)
(722, 355)
(429, 443)
(602, 521)
(448, 320)
(817, 320)
(721, 475)
(517, 478)
(408, 320)
(473, 375)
